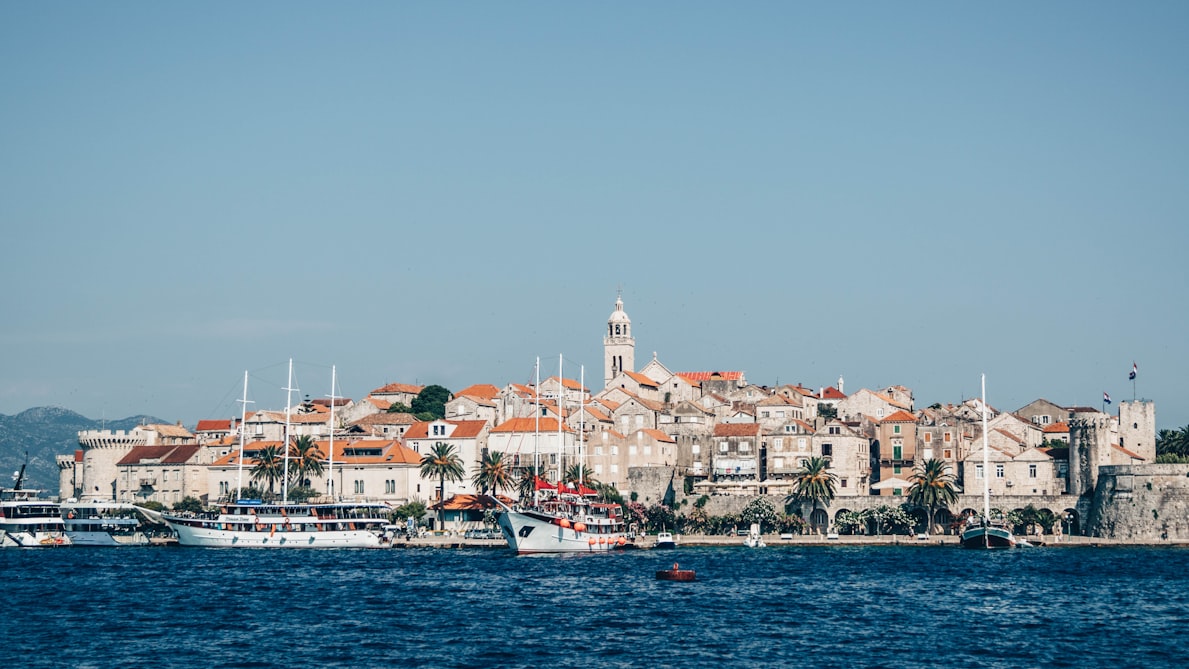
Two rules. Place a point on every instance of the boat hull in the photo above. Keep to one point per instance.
(988, 537)
(34, 539)
(189, 535)
(527, 532)
(100, 538)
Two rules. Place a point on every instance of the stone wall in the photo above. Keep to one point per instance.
(1141, 503)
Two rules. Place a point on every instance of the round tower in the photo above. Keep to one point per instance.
(619, 347)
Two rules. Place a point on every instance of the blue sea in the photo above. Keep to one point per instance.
(782, 606)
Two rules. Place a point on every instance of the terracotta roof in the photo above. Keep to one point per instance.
(597, 413)
(393, 388)
(174, 454)
(1057, 427)
(570, 384)
(382, 405)
(832, 393)
(396, 418)
(213, 425)
(641, 379)
(1130, 454)
(309, 418)
(484, 391)
(657, 435)
(900, 417)
(463, 429)
(737, 430)
(469, 503)
(529, 424)
(711, 376)
(78, 455)
(170, 430)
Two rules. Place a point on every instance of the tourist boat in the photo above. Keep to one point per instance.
(676, 574)
(566, 522)
(104, 524)
(754, 538)
(27, 521)
(251, 523)
(982, 532)
(665, 540)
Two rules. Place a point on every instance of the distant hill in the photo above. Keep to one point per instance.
(45, 432)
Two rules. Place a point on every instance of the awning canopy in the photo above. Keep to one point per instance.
(891, 483)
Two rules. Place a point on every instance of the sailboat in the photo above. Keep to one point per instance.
(284, 524)
(562, 519)
(982, 532)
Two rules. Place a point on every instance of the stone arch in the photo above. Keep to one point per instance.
(920, 519)
(819, 521)
(944, 519)
(1071, 522)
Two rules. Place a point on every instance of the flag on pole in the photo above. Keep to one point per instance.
(1106, 398)
(1134, 371)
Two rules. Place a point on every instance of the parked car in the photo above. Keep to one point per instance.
(481, 534)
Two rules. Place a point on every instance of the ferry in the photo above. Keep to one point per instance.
(104, 524)
(29, 521)
(256, 524)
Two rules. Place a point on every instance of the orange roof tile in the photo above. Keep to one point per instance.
(213, 425)
(641, 379)
(832, 393)
(1057, 427)
(392, 388)
(711, 376)
(463, 429)
(737, 430)
(900, 417)
(484, 391)
(529, 424)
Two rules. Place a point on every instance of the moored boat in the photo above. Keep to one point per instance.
(564, 523)
(982, 531)
(665, 540)
(676, 574)
(29, 521)
(104, 524)
(254, 524)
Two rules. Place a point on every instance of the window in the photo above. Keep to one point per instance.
(842, 483)
(598, 450)
(928, 437)
(647, 450)
(722, 447)
(695, 449)
(745, 447)
(1031, 471)
(614, 469)
(639, 420)
(948, 454)
(897, 452)
(946, 437)
(897, 491)
(895, 469)
(598, 470)
(632, 449)
(763, 414)
(390, 487)
(928, 454)
(358, 487)
(998, 471)
(614, 450)
(778, 444)
(827, 450)
(777, 463)
(834, 429)
(978, 471)
(801, 445)
(895, 429)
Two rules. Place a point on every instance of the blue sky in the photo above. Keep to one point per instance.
(897, 193)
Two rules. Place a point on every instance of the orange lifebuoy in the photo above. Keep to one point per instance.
(591, 541)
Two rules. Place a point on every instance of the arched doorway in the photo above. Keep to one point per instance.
(920, 520)
(943, 519)
(819, 521)
(1071, 523)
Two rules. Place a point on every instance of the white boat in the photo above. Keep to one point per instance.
(28, 521)
(665, 540)
(754, 538)
(565, 523)
(983, 532)
(255, 524)
(104, 524)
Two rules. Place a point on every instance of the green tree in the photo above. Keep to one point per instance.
(397, 407)
(660, 516)
(580, 472)
(526, 483)
(492, 473)
(827, 411)
(759, 510)
(269, 466)
(813, 484)
(302, 494)
(431, 400)
(191, 504)
(307, 457)
(442, 463)
(414, 510)
(932, 488)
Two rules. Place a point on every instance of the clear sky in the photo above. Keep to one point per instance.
(897, 193)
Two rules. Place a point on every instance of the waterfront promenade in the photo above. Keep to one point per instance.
(774, 540)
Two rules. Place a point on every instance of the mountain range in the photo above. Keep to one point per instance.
(38, 435)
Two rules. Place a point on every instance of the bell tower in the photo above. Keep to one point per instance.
(619, 347)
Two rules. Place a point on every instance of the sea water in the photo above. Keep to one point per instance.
(781, 606)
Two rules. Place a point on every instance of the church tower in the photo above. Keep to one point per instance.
(619, 348)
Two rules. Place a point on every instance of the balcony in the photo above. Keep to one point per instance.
(148, 483)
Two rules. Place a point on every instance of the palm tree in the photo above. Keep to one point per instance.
(442, 463)
(492, 473)
(582, 473)
(308, 456)
(932, 487)
(814, 484)
(526, 485)
(269, 466)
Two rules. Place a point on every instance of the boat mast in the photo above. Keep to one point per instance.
(288, 403)
(330, 466)
(561, 393)
(537, 432)
(986, 471)
(581, 423)
(243, 417)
